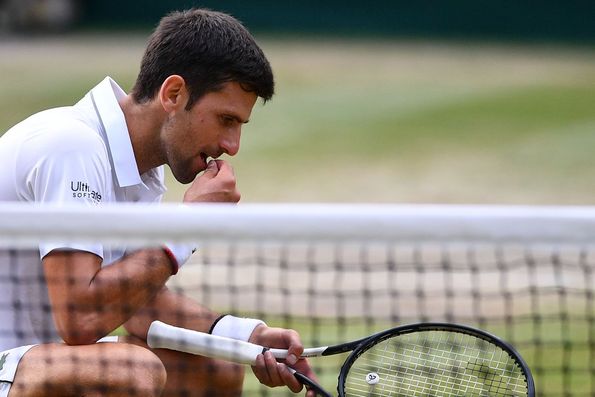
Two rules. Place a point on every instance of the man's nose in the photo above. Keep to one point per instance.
(231, 143)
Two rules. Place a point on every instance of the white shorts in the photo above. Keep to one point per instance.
(9, 361)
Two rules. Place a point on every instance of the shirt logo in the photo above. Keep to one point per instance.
(3, 360)
(81, 190)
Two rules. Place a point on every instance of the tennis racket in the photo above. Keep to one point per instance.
(425, 359)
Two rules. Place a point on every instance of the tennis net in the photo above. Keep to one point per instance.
(340, 272)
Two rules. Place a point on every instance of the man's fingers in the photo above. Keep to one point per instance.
(217, 184)
(296, 348)
(224, 167)
(289, 379)
(260, 371)
(219, 168)
(212, 168)
(272, 369)
(272, 373)
(211, 171)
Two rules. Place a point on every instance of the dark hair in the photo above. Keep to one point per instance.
(207, 48)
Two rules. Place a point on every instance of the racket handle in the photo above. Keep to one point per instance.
(165, 336)
(281, 354)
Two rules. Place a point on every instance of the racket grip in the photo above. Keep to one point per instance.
(281, 354)
(165, 336)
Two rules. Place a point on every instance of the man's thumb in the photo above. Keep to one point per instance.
(212, 168)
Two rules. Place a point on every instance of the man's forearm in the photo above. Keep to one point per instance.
(171, 308)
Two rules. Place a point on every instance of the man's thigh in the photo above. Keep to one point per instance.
(102, 369)
(9, 361)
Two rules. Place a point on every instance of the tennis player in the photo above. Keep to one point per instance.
(200, 77)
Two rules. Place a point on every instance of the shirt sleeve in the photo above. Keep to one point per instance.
(66, 168)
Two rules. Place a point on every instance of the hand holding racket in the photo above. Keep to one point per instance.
(427, 359)
(269, 371)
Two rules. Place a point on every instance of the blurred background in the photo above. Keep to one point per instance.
(460, 101)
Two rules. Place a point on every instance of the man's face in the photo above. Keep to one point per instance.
(212, 127)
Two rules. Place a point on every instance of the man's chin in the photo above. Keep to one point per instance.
(185, 178)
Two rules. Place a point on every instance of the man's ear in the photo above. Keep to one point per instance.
(173, 93)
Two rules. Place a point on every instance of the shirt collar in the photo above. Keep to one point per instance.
(106, 96)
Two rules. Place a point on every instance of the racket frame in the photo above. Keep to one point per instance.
(372, 340)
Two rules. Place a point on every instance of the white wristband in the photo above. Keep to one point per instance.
(178, 253)
(235, 327)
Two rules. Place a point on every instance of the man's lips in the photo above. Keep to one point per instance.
(204, 159)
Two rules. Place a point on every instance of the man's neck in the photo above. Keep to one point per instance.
(144, 123)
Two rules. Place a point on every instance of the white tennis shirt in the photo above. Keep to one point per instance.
(76, 155)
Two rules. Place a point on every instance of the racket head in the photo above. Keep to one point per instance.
(428, 359)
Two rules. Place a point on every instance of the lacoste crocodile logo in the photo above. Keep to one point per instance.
(3, 360)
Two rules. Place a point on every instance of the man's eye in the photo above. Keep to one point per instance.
(227, 120)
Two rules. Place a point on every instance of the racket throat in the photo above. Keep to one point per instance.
(309, 383)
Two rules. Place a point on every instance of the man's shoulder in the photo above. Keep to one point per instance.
(63, 128)
(53, 135)
(64, 119)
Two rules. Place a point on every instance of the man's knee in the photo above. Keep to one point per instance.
(146, 368)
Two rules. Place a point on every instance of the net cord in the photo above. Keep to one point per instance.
(26, 225)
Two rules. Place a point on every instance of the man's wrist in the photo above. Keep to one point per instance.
(238, 328)
(178, 254)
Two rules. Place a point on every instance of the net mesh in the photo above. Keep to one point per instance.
(338, 273)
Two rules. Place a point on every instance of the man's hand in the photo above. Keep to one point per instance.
(216, 184)
(272, 373)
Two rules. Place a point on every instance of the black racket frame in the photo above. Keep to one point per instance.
(367, 343)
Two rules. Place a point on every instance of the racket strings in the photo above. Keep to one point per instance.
(435, 363)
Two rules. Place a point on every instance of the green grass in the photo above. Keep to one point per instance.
(455, 125)
(559, 362)
(382, 121)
